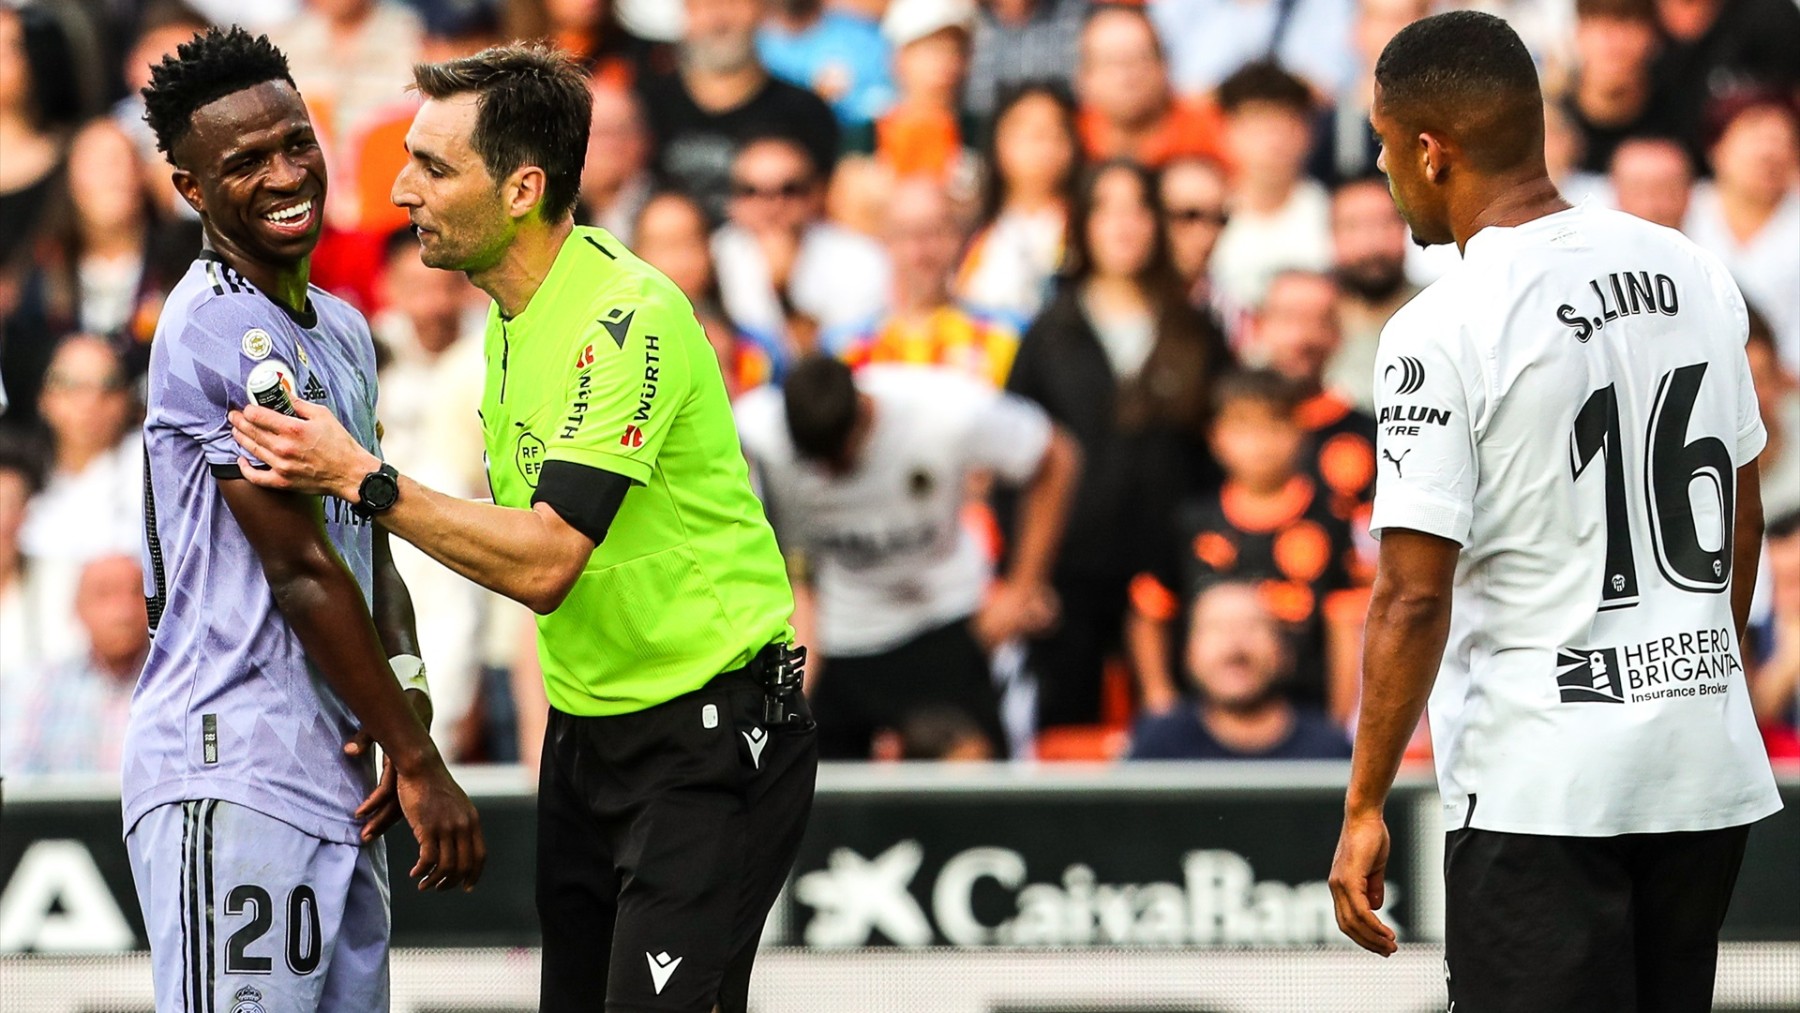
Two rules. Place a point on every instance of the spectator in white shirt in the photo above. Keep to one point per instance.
(92, 503)
(866, 481)
(70, 718)
(1032, 156)
(34, 631)
(1279, 218)
(1749, 216)
(785, 272)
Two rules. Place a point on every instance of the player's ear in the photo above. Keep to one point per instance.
(189, 188)
(1432, 160)
(524, 190)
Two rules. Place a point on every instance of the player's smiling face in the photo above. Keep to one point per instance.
(251, 165)
(455, 204)
(1412, 182)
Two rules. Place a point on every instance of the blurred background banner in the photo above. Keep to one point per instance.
(974, 858)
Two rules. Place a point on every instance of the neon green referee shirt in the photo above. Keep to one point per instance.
(608, 368)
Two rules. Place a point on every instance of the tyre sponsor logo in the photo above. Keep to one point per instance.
(1405, 374)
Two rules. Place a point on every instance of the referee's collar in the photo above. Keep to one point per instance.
(581, 244)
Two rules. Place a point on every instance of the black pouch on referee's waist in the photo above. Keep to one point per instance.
(780, 669)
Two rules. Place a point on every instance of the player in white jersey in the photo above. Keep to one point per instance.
(1569, 518)
(867, 480)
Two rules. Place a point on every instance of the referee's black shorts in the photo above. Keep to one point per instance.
(1541, 924)
(663, 839)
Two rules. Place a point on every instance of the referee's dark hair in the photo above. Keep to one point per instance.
(532, 108)
(820, 399)
(1467, 76)
(203, 70)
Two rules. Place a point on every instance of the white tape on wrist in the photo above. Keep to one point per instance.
(409, 671)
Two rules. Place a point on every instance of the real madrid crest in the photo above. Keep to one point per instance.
(258, 344)
(300, 353)
(247, 1000)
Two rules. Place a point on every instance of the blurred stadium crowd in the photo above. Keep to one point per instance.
(1161, 223)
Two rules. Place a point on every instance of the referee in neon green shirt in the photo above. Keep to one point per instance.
(679, 760)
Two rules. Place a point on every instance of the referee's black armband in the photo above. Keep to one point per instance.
(587, 498)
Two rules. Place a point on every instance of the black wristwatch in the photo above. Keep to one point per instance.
(379, 491)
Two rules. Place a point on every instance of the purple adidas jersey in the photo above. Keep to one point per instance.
(228, 707)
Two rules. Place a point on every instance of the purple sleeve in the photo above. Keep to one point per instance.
(208, 361)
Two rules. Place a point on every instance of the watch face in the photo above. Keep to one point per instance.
(379, 491)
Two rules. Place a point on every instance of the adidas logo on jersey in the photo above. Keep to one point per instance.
(314, 390)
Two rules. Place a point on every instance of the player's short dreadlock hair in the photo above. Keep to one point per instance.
(205, 69)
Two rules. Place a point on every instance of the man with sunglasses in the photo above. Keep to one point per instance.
(786, 274)
(1193, 198)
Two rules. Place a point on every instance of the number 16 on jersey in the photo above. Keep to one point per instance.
(1690, 555)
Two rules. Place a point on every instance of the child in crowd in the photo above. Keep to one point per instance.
(1269, 524)
(925, 133)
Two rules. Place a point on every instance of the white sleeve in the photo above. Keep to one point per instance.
(1428, 399)
(1008, 434)
(1751, 436)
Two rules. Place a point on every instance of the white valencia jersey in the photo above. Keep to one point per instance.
(1571, 403)
(890, 555)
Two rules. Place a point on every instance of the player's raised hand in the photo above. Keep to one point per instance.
(312, 453)
(1358, 883)
(446, 825)
(381, 809)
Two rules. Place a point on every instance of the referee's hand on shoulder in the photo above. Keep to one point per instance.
(451, 849)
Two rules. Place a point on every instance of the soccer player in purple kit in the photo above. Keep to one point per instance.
(281, 631)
